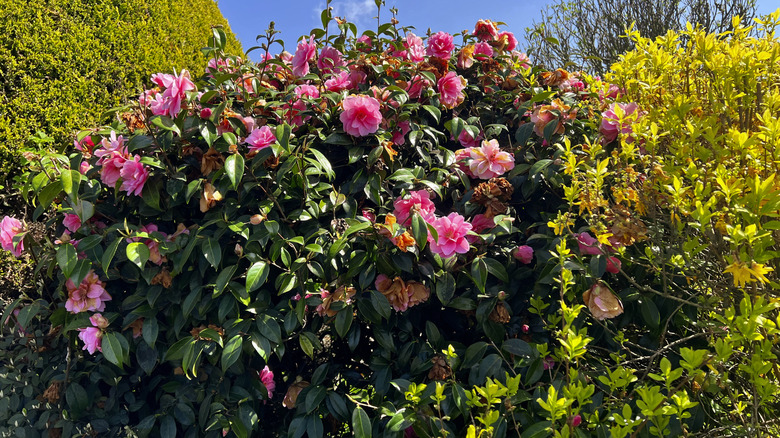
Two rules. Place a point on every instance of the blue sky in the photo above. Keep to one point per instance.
(294, 18)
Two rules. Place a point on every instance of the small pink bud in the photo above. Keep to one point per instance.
(524, 253)
(502, 295)
(525, 328)
(205, 113)
(368, 214)
(575, 420)
(256, 219)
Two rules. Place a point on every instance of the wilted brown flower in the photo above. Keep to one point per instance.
(492, 194)
(441, 370)
(292, 393)
(133, 120)
(211, 161)
(555, 78)
(344, 294)
(417, 292)
(404, 241)
(209, 198)
(53, 392)
(163, 278)
(137, 326)
(601, 302)
(626, 228)
(500, 314)
(439, 67)
(400, 294)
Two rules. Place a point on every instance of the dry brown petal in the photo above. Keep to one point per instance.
(417, 293)
(292, 394)
(55, 432)
(209, 198)
(137, 327)
(163, 278)
(555, 78)
(601, 302)
(500, 314)
(53, 392)
(440, 370)
(397, 294)
(211, 161)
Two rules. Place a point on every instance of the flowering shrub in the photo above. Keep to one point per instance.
(307, 246)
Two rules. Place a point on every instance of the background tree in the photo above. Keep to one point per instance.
(588, 34)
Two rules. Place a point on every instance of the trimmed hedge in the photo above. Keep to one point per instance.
(63, 63)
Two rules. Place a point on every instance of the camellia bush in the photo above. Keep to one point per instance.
(377, 235)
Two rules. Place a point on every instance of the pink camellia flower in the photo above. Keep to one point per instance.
(153, 245)
(485, 30)
(111, 169)
(260, 138)
(330, 59)
(465, 57)
(301, 92)
(419, 201)
(416, 85)
(134, 176)
(575, 420)
(72, 222)
(306, 52)
(92, 337)
(176, 88)
(507, 41)
(489, 161)
(601, 302)
(462, 159)
(467, 141)
(364, 43)
(361, 115)
(452, 232)
(368, 214)
(451, 88)
(440, 45)
(483, 50)
(267, 377)
(357, 77)
(85, 167)
(523, 253)
(522, 59)
(10, 227)
(413, 49)
(479, 224)
(618, 120)
(613, 265)
(205, 113)
(403, 129)
(89, 295)
(339, 82)
(588, 244)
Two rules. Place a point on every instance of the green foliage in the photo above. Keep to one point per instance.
(66, 63)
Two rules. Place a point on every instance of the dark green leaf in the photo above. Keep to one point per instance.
(234, 167)
(231, 352)
(361, 425)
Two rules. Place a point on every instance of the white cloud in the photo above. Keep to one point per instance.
(360, 12)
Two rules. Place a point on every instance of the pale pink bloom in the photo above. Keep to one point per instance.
(218, 65)
(339, 82)
(112, 168)
(176, 88)
(452, 232)
(542, 116)
(363, 43)
(99, 321)
(489, 161)
(508, 40)
(418, 201)
(416, 85)
(451, 88)
(286, 57)
(465, 57)
(330, 59)
(440, 45)
(485, 30)
(483, 50)
(361, 115)
(601, 302)
(10, 227)
(72, 222)
(260, 138)
(613, 265)
(249, 123)
(467, 141)
(572, 84)
(134, 175)
(85, 167)
(305, 52)
(403, 129)
(479, 224)
(306, 90)
(413, 48)
(613, 124)
(588, 244)
(267, 377)
(89, 295)
(523, 253)
(92, 337)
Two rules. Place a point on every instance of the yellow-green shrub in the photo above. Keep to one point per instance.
(63, 63)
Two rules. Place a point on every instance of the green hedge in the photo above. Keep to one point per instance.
(64, 62)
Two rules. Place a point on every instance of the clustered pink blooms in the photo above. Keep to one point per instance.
(618, 120)
(305, 52)
(260, 138)
(361, 115)
(419, 201)
(523, 253)
(93, 336)
(489, 161)
(451, 88)
(440, 45)
(330, 60)
(90, 295)
(10, 227)
(174, 92)
(117, 163)
(452, 231)
(267, 377)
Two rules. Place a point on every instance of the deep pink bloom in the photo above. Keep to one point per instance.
(440, 45)
(10, 227)
(462, 159)
(89, 295)
(418, 201)
(483, 50)
(368, 214)
(339, 82)
(403, 129)
(489, 161)
(613, 265)
(479, 224)
(330, 59)
(451, 88)
(508, 40)
(363, 43)
(588, 244)
(548, 363)
(72, 222)
(467, 141)
(485, 30)
(134, 175)
(452, 232)
(176, 88)
(205, 113)
(112, 168)
(361, 115)
(267, 377)
(260, 138)
(413, 48)
(416, 85)
(523, 253)
(575, 420)
(306, 52)
(299, 105)
(613, 124)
